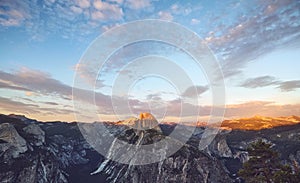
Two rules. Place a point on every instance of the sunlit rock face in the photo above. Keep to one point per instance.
(260, 122)
(146, 116)
(144, 122)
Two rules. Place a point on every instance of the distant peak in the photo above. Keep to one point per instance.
(146, 115)
(144, 122)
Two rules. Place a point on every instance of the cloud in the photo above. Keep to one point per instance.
(76, 9)
(138, 4)
(244, 38)
(107, 11)
(116, 1)
(43, 84)
(97, 15)
(51, 103)
(13, 13)
(15, 106)
(36, 81)
(261, 81)
(30, 93)
(12, 87)
(253, 36)
(164, 15)
(195, 21)
(8, 105)
(264, 81)
(184, 9)
(194, 91)
(289, 85)
(71, 19)
(105, 28)
(83, 3)
(156, 97)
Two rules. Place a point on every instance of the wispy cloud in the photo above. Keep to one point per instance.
(156, 96)
(18, 107)
(51, 103)
(43, 84)
(261, 81)
(289, 85)
(36, 81)
(12, 87)
(194, 91)
(264, 81)
(8, 105)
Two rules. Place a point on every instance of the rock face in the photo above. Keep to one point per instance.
(188, 164)
(144, 122)
(13, 144)
(146, 115)
(24, 165)
(28, 155)
(36, 133)
(219, 147)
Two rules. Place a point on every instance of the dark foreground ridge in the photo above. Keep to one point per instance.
(32, 151)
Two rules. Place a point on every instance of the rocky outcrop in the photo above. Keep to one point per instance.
(12, 143)
(36, 133)
(19, 164)
(223, 149)
(28, 155)
(219, 147)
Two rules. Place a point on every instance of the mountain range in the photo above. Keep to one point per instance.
(34, 151)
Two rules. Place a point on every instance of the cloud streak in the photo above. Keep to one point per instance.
(36, 81)
(194, 91)
(263, 81)
(289, 85)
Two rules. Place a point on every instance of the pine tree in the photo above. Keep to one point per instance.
(264, 165)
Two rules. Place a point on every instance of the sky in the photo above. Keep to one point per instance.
(42, 43)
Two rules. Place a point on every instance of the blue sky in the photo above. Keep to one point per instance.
(257, 44)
